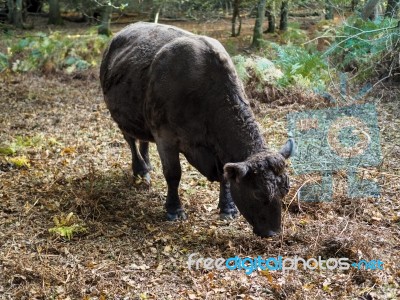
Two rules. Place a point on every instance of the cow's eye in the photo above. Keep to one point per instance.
(259, 195)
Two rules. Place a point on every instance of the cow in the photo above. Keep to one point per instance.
(179, 90)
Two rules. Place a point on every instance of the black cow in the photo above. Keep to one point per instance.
(181, 91)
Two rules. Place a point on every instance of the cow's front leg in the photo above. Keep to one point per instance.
(172, 172)
(227, 209)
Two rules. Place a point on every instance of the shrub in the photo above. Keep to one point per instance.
(363, 47)
(301, 67)
(256, 69)
(293, 35)
(3, 62)
(56, 51)
(290, 66)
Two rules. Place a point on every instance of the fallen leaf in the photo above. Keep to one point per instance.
(68, 150)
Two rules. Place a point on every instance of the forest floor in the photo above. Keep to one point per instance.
(76, 161)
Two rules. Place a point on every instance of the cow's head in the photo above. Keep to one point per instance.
(258, 185)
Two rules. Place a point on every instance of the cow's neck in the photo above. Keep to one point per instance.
(237, 133)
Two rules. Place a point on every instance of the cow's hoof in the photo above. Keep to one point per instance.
(139, 179)
(228, 215)
(225, 216)
(179, 215)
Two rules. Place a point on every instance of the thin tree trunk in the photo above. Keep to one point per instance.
(271, 19)
(156, 11)
(157, 15)
(15, 10)
(354, 4)
(236, 15)
(392, 9)
(283, 23)
(11, 11)
(104, 27)
(369, 9)
(329, 10)
(257, 34)
(18, 16)
(54, 13)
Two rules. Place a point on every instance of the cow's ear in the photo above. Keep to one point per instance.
(235, 171)
(288, 149)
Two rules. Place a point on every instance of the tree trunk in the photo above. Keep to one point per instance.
(11, 11)
(392, 9)
(283, 23)
(271, 19)
(257, 34)
(354, 4)
(226, 8)
(54, 13)
(15, 10)
(369, 9)
(236, 15)
(104, 27)
(329, 10)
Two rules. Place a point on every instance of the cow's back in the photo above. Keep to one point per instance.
(124, 72)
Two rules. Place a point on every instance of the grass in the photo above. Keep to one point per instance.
(130, 250)
(81, 165)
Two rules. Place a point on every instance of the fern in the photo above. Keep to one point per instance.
(361, 45)
(19, 161)
(3, 62)
(256, 69)
(67, 231)
(300, 67)
(55, 51)
(293, 35)
(67, 226)
(241, 68)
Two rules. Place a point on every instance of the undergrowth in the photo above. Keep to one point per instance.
(365, 47)
(53, 52)
(369, 50)
(290, 66)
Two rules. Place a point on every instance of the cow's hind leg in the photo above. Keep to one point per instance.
(226, 206)
(144, 151)
(139, 165)
(172, 172)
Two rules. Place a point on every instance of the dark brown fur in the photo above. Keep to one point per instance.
(181, 91)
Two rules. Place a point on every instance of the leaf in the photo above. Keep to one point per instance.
(20, 161)
(309, 286)
(267, 274)
(70, 60)
(160, 267)
(326, 285)
(102, 297)
(68, 150)
(7, 150)
(3, 61)
(139, 267)
(167, 250)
